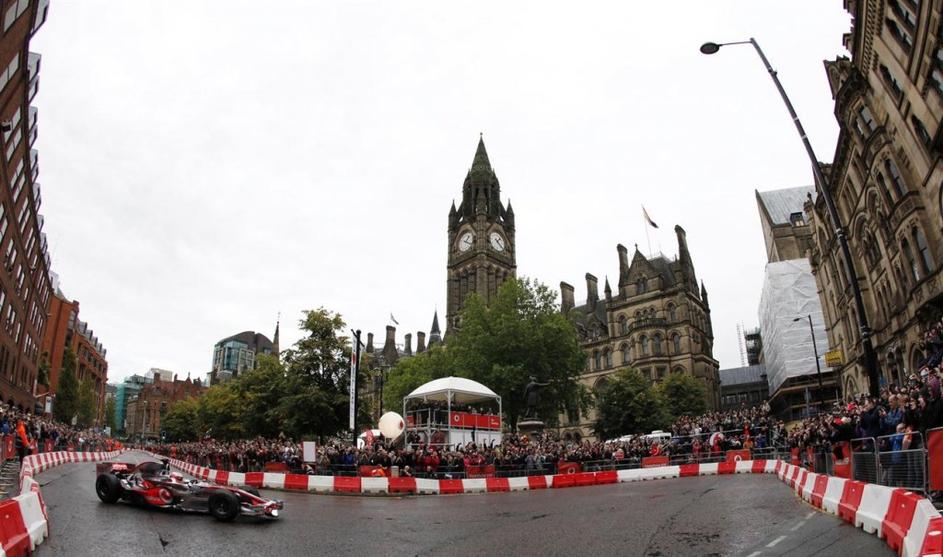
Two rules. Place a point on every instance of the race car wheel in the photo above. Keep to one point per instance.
(252, 490)
(224, 506)
(108, 488)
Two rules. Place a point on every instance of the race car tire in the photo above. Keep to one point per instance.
(224, 506)
(108, 488)
(252, 490)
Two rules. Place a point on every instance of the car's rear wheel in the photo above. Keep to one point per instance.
(108, 488)
(224, 506)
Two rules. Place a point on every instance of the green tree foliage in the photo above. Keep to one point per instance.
(629, 405)
(683, 395)
(303, 395)
(42, 375)
(66, 402)
(182, 421)
(410, 373)
(88, 404)
(111, 417)
(521, 334)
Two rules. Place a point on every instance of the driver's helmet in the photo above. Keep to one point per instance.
(176, 477)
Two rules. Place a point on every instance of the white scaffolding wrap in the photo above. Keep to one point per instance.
(789, 292)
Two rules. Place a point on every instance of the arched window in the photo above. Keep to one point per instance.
(656, 344)
(623, 325)
(911, 261)
(672, 313)
(871, 251)
(640, 286)
(676, 343)
(608, 355)
(678, 369)
(626, 357)
(896, 181)
(597, 361)
(920, 241)
(882, 184)
(643, 345)
(601, 385)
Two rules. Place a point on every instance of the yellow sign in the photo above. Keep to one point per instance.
(833, 358)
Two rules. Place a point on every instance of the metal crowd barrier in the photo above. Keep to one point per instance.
(897, 460)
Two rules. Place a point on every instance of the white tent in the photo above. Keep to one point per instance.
(454, 390)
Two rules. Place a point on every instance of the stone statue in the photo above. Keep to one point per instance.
(532, 396)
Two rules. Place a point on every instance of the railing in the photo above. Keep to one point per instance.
(898, 460)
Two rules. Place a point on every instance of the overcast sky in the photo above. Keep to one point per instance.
(206, 165)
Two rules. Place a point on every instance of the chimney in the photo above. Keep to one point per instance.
(420, 342)
(408, 348)
(370, 342)
(623, 264)
(592, 290)
(566, 297)
(389, 346)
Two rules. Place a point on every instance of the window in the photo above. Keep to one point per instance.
(870, 249)
(899, 188)
(797, 219)
(902, 37)
(926, 261)
(623, 325)
(936, 70)
(911, 261)
(640, 286)
(676, 343)
(672, 313)
(892, 83)
(16, 10)
(904, 14)
(922, 133)
(608, 355)
(644, 345)
(9, 71)
(865, 122)
(14, 124)
(882, 184)
(656, 344)
(17, 137)
(626, 357)
(597, 362)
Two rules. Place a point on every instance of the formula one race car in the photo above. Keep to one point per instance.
(153, 484)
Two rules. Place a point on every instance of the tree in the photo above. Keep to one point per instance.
(111, 417)
(66, 402)
(220, 413)
(88, 403)
(683, 394)
(260, 390)
(519, 335)
(182, 421)
(628, 404)
(410, 373)
(42, 375)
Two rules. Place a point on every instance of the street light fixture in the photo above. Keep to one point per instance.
(870, 358)
(818, 367)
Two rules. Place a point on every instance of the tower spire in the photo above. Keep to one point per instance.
(435, 335)
(278, 322)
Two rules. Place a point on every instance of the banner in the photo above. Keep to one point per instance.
(735, 456)
(935, 458)
(309, 451)
(469, 420)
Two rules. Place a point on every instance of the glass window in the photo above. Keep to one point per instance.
(892, 82)
(911, 261)
(644, 345)
(676, 343)
(922, 132)
(626, 357)
(640, 286)
(900, 34)
(920, 241)
(623, 325)
(899, 188)
(656, 344)
(608, 358)
(904, 14)
(597, 361)
(865, 121)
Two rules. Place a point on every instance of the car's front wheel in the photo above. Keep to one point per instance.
(224, 506)
(108, 488)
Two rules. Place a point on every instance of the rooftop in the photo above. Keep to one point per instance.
(779, 204)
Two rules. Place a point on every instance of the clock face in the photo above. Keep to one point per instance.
(497, 242)
(466, 241)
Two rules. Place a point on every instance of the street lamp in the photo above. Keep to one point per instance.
(818, 367)
(870, 358)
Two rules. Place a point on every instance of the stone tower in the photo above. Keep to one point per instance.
(481, 239)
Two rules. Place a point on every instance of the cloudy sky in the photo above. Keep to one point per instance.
(206, 165)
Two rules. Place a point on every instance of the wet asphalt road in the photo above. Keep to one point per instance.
(749, 515)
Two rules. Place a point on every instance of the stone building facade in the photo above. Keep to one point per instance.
(886, 180)
(657, 321)
(146, 409)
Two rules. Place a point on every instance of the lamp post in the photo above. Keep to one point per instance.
(870, 358)
(818, 367)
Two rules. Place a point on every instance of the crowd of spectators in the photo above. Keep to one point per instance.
(32, 430)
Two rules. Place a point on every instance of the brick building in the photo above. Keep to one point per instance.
(64, 330)
(25, 282)
(146, 408)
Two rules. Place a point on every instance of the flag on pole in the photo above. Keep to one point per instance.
(648, 218)
(393, 319)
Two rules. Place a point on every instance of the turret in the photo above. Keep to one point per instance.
(420, 342)
(567, 300)
(623, 265)
(592, 290)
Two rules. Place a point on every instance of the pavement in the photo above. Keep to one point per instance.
(751, 515)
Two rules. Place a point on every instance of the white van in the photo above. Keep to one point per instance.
(658, 435)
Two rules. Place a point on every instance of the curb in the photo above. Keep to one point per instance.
(24, 523)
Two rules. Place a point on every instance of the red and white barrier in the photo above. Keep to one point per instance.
(24, 523)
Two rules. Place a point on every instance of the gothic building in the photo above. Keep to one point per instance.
(657, 321)
(885, 179)
(481, 239)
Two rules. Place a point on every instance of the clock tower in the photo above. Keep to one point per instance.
(481, 239)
